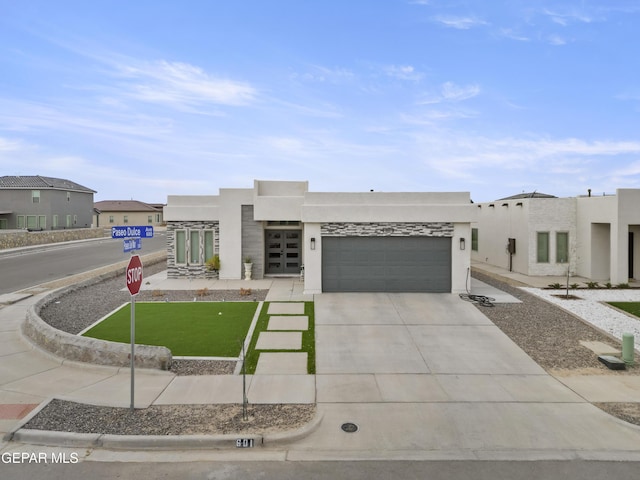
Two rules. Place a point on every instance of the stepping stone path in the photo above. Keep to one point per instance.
(284, 332)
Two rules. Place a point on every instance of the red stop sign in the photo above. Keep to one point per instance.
(134, 275)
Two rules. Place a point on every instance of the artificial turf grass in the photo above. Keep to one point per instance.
(207, 329)
(308, 339)
(630, 307)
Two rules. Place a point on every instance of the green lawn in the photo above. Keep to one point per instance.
(214, 329)
(630, 307)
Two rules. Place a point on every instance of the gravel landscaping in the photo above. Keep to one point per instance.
(547, 333)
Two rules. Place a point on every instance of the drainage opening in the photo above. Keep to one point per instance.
(349, 427)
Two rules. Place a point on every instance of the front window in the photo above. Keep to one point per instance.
(194, 247)
(181, 236)
(150, 219)
(126, 219)
(543, 247)
(111, 219)
(208, 244)
(474, 239)
(562, 247)
(35, 196)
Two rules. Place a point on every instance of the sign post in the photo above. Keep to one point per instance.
(134, 282)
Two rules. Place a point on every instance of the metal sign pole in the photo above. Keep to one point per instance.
(133, 347)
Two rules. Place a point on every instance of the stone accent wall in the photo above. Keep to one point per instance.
(252, 242)
(188, 270)
(387, 229)
(22, 238)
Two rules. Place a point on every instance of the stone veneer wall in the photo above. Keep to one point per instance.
(387, 229)
(22, 238)
(252, 242)
(188, 270)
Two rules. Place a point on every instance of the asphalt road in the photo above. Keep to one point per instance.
(29, 267)
(359, 470)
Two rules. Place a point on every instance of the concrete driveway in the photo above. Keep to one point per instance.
(429, 376)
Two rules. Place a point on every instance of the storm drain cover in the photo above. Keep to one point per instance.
(349, 427)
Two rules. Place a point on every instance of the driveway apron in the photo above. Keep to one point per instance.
(429, 376)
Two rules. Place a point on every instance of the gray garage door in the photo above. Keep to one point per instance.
(386, 264)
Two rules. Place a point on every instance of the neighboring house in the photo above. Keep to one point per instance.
(110, 213)
(535, 234)
(369, 241)
(44, 203)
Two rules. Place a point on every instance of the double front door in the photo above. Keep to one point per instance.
(283, 253)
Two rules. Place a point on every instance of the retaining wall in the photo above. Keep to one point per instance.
(85, 349)
(23, 238)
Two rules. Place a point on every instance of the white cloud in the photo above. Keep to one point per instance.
(568, 17)
(556, 40)
(321, 74)
(450, 92)
(177, 83)
(403, 72)
(459, 23)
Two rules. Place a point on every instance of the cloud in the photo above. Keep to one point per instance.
(556, 40)
(514, 35)
(568, 17)
(459, 23)
(177, 83)
(450, 92)
(321, 74)
(403, 72)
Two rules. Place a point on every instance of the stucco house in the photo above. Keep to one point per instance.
(44, 203)
(359, 241)
(596, 237)
(127, 212)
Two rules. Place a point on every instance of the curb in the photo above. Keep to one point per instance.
(156, 442)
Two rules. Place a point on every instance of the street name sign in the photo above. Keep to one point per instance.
(144, 231)
(131, 244)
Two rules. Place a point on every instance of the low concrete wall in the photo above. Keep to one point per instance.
(23, 238)
(85, 349)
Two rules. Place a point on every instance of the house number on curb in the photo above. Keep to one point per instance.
(244, 443)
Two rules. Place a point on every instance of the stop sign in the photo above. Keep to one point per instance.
(134, 275)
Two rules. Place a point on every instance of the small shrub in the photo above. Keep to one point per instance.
(157, 293)
(245, 291)
(555, 285)
(203, 292)
(574, 286)
(593, 285)
(608, 285)
(623, 285)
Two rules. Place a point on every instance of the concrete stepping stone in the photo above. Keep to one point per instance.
(289, 322)
(279, 341)
(288, 308)
(292, 363)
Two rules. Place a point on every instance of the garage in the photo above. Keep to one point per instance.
(386, 264)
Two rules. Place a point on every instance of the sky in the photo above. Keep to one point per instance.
(148, 98)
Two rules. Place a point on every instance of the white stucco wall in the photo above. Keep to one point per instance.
(552, 215)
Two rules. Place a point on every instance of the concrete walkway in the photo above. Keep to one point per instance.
(422, 376)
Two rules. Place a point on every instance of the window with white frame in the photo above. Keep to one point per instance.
(562, 247)
(208, 244)
(35, 196)
(542, 246)
(194, 247)
(181, 247)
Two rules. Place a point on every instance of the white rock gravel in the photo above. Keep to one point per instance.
(590, 305)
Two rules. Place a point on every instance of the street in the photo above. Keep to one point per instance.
(354, 470)
(31, 267)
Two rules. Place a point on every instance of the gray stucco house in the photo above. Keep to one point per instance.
(44, 203)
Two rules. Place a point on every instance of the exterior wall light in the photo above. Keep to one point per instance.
(313, 243)
(462, 243)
